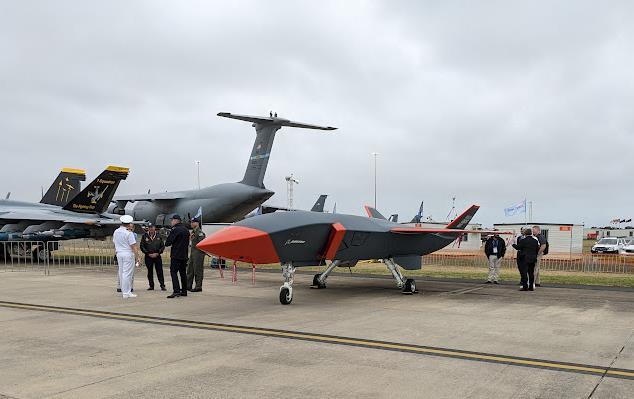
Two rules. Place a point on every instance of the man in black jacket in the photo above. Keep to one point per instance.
(178, 239)
(152, 246)
(494, 249)
(527, 250)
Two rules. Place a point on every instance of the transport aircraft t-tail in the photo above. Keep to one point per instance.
(297, 239)
(65, 187)
(226, 202)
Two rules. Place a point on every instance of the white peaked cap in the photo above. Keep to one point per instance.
(126, 219)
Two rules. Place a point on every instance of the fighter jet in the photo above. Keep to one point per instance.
(297, 239)
(226, 202)
(80, 217)
(317, 207)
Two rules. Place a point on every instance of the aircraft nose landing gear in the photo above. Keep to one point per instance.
(286, 290)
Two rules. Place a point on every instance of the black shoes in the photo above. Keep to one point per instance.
(174, 295)
(538, 285)
(495, 282)
(531, 289)
(523, 289)
(118, 289)
(487, 282)
(184, 293)
(197, 289)
(163, 288)
(151, 289)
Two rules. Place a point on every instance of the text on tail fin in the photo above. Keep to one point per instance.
(97, 195)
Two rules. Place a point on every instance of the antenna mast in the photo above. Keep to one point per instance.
(290, 182)
(452, 213)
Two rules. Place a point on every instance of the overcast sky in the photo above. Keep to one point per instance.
(490, 102)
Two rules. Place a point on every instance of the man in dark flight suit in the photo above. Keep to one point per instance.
(178, 239)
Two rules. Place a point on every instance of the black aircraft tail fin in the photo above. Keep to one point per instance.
(373, 213)
(461, 222)
(265, 129)
(65, 187)
(97, 195)
(319, 204)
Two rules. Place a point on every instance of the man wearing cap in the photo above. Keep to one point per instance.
(195, 266)
(127, 254)
(178, 239)
(152, 246)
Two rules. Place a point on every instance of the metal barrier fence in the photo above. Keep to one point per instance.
(89, 254)
(591, 263)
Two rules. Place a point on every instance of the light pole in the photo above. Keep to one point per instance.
(198, 172)
(375, 154)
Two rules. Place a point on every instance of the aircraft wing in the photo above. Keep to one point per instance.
(421, 230)
(36, 216)
(150, 197)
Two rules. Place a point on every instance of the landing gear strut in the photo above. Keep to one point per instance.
(408, 286)
(286, 290)
(319, 280)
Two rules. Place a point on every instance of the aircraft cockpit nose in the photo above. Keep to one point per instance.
(240, 243)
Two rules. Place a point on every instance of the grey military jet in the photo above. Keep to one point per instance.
(299, 239)
(222, 203)
(60, 217)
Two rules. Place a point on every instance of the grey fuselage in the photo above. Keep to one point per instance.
(301, 237)
(222, 203)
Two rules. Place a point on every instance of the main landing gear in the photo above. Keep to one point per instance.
(319, 280)
(408, 286)
(286, 290)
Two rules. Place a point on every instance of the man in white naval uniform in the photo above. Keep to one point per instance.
(127, 254)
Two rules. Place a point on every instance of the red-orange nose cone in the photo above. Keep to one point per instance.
(241, 243)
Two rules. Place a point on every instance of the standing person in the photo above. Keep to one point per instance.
(543, 250)
(195, 267)
(494, 249)
(127, 254)
(152, 246)
(178, 239)
(517, 255)
(527, 250)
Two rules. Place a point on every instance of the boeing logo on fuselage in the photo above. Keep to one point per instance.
(291, 242)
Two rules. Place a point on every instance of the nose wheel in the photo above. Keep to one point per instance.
(286, 295)
(286, 290)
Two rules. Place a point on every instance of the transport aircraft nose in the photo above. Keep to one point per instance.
(241, 243)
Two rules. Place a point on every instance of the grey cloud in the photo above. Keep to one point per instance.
(458, 98)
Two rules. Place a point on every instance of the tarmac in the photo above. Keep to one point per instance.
(69, 335)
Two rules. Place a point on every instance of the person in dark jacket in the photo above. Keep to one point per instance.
(527, 250)
(195, 267)
(494, 249)
(178, 239)
(152, 246)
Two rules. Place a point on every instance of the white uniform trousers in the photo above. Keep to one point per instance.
(126, 271)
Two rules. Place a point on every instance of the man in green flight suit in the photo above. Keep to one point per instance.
(195, 265)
